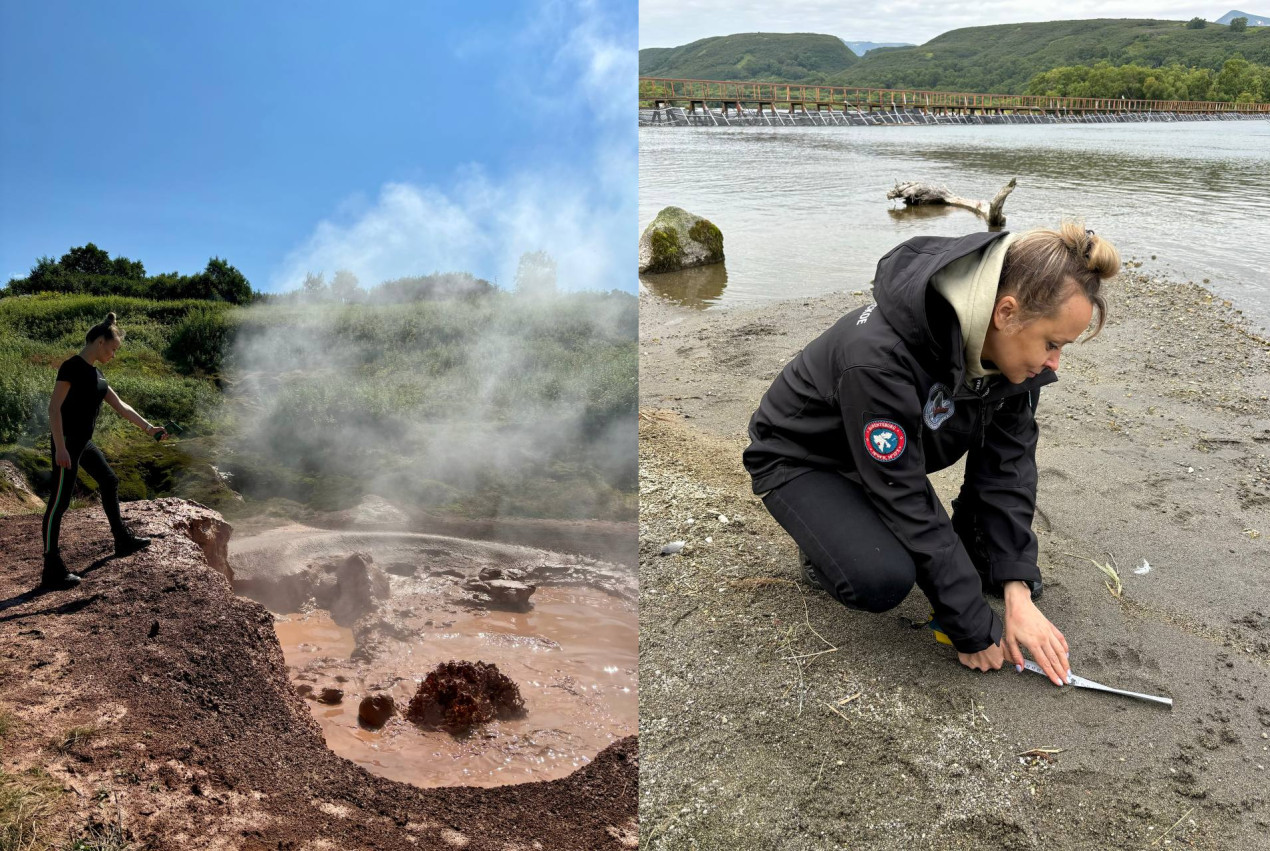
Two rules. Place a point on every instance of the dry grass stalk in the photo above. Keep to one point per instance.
(835, 710)
(1160, 838)
(1108, 569)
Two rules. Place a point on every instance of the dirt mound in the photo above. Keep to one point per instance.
(458, 695)
(16, 496)
(196, 734)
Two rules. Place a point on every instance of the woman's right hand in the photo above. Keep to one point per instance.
(63, 458)
(991, 658)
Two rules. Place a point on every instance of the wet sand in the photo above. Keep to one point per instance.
(773, 717)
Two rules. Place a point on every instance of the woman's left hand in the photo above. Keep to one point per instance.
(1026, 626)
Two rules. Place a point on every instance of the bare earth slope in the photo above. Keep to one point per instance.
(153, 686)
(772, 717)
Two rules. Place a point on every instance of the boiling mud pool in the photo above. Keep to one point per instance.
(574, 657)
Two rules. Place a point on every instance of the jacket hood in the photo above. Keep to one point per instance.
(970, 286)
(924, 319)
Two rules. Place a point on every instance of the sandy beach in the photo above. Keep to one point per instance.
(773, 717)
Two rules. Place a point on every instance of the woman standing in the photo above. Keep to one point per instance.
(77, 398)
(948, 362)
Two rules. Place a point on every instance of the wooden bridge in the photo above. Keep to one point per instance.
(799, 99)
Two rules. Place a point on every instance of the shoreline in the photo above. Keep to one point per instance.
(1153, 447)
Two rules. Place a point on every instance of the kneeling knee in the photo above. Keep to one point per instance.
(886, 596)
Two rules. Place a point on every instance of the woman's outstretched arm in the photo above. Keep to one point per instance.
(128, 413)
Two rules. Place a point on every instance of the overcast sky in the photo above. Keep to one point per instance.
(669, 23)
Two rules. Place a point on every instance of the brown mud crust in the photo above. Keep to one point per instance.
(158, 700)
(773, 717)
(458, 695)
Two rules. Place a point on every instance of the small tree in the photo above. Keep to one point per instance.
(222, 281)
(1196, 24)
(314, 286)
(344, 286)
(1238, 25)
(536, 274)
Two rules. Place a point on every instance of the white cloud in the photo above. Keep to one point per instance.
(581, 212)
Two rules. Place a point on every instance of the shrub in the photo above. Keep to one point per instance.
(199, 341)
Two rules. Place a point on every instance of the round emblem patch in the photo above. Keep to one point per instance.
(939, 407)
(885, 440)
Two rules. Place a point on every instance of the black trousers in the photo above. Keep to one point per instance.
(858, 559)
(88, 456)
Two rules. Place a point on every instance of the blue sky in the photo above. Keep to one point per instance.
(389, 138)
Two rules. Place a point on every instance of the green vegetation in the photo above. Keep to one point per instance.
(709, 235)
(666, 250)
(999, 59)
(1238, 81)
(440, 391)
(89, 270)
(774, 57)
(28, 801)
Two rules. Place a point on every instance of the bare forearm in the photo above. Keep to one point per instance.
(55, 426)
(129, 413)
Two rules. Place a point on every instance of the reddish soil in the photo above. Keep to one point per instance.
(193, 728)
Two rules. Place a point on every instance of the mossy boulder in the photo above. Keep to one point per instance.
(677, 239)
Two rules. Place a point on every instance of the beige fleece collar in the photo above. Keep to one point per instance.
(969, 284)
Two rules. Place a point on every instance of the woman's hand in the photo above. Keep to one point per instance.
(991, 658)
(1026, 626)
(159, 430)
(63, 458)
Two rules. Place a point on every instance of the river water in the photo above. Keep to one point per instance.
(804, 211)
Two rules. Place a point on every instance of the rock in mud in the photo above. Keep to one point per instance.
(375, 710)
(506, 595)
(676, 239)
(457, 695)
(304, 690)
(331, 695)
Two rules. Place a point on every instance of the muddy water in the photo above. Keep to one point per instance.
(574, 656)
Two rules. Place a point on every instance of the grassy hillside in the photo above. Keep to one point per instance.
(1002, 58)
(496, 404)
(751, 56)
(1005, 58)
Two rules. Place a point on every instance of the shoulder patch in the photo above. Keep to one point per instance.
(884, 440)
(939, 407)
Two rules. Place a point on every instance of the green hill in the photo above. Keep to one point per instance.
(1002, 58)
(775, 57)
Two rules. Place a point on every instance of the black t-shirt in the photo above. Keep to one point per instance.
(83, 402)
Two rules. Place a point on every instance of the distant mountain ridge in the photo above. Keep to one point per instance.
(999, 58)
(1253, 20)
(859, 48)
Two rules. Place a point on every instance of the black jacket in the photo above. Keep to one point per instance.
(882, 397)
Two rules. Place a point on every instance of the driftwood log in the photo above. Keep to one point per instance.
(914, 193)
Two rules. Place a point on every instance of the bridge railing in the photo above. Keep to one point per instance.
(653, 90)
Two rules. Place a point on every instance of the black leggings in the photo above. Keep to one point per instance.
(858, 559)
(88, 456)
